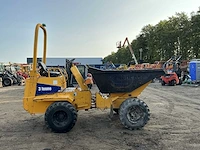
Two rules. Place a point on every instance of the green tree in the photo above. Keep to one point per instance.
(178, 35)
(195, 34)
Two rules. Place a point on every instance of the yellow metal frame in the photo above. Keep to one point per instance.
(38, 26)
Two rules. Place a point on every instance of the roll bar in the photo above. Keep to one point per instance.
(38, 26)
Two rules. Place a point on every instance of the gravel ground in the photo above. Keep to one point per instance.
(174, 124)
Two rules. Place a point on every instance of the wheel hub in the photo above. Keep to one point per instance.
(134, 114)
(7, 82)
(60, 118)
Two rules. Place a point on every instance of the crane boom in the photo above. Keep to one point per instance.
(131, 50)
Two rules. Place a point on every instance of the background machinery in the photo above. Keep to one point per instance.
(118, 90)
(24, 70)
(172, 72)
(9, 75)
(130, 48)
(134, 64)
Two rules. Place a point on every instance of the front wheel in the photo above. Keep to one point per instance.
(162, 83)
(7, 82)
(134, 113)
(61, 117)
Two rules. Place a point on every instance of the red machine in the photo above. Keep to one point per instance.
(23, 74)
(172, 72)
(24, 70)
(170, 79)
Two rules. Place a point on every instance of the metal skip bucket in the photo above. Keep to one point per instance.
(117, 81)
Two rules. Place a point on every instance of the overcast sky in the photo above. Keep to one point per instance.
(79, 28)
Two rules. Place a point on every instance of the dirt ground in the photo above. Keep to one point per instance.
(174, 124)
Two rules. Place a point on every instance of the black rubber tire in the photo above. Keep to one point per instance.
(180, 82)
(129, 108)
(7, 82)
(173, 83)
(61, 117)
(162, 82)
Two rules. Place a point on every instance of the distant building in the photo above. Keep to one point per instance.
(62, 61)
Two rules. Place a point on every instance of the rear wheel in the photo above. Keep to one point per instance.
(134, 113)
(61, 117)
(173, 82)
(180, 82)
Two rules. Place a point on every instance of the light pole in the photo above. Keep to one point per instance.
(140, 50)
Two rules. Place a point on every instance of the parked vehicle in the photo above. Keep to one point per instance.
(10, 77)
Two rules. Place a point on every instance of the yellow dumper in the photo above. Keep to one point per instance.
(46, 92)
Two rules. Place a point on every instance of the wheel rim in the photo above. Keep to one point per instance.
(60, 118)
(7, 82)
(134, 114)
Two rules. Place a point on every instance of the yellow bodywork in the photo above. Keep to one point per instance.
(58, 81)
(80, 97)
(115, 99)
(39, 104)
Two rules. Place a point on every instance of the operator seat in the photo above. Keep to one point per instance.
(44, 71)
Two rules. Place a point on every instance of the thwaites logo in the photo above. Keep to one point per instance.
(40, 89)
(46, 89)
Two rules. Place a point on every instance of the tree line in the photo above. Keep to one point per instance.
(175, 36)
